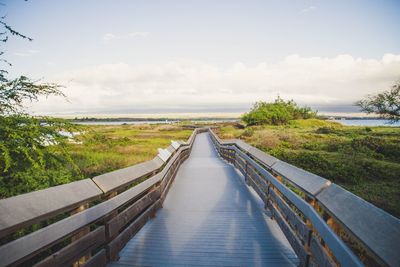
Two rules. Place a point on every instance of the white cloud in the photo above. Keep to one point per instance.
(138, 34)
(308, 9)
(309, 80)
(110, 36)
(26, 53)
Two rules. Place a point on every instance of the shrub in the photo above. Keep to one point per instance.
(325, 130)
(276, 113)
(248, 132)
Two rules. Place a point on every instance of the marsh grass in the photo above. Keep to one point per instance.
(364, 160)
(97, 150)
(107, 148)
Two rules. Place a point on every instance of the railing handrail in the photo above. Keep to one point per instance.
(376, 230)
(26, 247)
(29, 208)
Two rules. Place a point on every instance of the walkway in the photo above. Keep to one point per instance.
(209, 218)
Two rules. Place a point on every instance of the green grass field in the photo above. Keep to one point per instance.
(364, 160)
(107, 148)
(97, 150)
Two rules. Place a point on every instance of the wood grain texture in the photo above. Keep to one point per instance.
(343, 253)
(294, 220)
(319, 255)
(115, 180)
(119, 242)
(119, 221)
(310, 183)
(27, 209)
(98, 260)
(209, 218)
(291, 236)
(67, 255)
(378, 231)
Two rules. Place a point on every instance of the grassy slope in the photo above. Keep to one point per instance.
(101, 149)
(364, 160)
(107, 148)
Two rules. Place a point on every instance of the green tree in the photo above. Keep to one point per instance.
(32, 150)
(385, 104)
(276, 113)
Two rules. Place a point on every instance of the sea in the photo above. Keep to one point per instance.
(347, 122)
(370, 122)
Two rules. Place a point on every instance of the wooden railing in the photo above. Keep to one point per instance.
(325, 224)
(86, 223)
(98, 216)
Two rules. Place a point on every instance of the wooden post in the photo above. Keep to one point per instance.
(84, 231)
(246, 178)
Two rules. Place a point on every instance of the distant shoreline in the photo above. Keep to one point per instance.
(151, 119)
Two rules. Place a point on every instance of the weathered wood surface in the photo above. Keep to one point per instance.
(98, 260)
(378, 230)
(26, 209)
(123, 177)
(259, 192)
(310, 183)
(73, 195)
(67, 255)
(33, 243)
(120, 241)
(262, 157)
(345, 256)
(293, 219)
(209, 218)
(291, 236)
(256, 153)
(320, 257)
(119, 221)
(257, 178)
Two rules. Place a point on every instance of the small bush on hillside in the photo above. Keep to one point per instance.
(248, 132)
(325, 130)
(276, 113)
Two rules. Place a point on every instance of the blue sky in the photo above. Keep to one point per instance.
(185, 56)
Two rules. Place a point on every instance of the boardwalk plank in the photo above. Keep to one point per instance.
(209, 218)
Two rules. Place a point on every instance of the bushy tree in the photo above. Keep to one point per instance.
(386, 104)
(276, 113)
(32, 150)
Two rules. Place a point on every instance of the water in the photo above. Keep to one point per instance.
(117, 122)
(122, 122)
(352, 122)
(371, 123)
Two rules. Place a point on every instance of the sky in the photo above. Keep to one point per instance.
(169, 56)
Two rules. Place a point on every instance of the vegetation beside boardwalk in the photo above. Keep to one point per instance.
(364, 160)
(97, 150)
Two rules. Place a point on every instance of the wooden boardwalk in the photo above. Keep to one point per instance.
(209, 218)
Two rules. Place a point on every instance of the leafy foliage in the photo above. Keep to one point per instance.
(14, 92)
(33, 154)
(32, 151)
(386, 104)
(364, 160)
(276, 113)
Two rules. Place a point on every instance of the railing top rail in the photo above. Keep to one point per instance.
(27, 246)
(26, 209)
(117, 179)
(376, 229)
(339, 248)
(309, 183)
